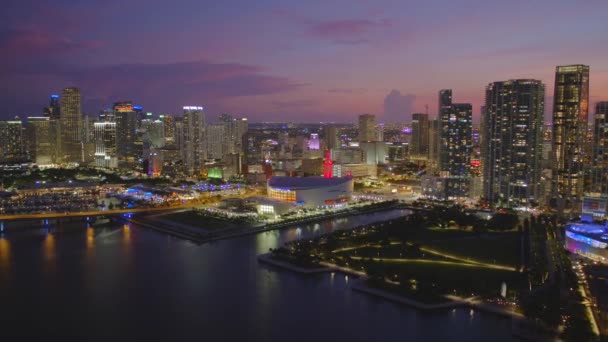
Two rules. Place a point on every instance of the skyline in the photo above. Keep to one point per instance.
(296, 62)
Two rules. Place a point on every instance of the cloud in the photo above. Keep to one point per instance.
(37, 43)
(347, 90)
(349, 31)
(163, 87)
(398, 107)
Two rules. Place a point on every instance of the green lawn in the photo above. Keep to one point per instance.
(499, 248)
(465, 280)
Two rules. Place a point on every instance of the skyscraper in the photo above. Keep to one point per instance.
(570, 113)
(434, 143)
(71, 125)
(11, 140)
(599, 182)
(53, 111)
(419, 144)
(40, 144)
(129, 146)
(445, 110)
(455, 142)
(216, 140)
(331, 137)
(106, 155)
(513, 117)
(367, 128)
(195, 140)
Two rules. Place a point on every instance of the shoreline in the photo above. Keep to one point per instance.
(199, 236)
(360, 286)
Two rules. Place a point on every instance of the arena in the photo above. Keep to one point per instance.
(311, 192)
(589, 240)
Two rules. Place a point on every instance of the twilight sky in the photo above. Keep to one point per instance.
(281, 60)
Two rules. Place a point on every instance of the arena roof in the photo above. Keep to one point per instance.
(302, 183)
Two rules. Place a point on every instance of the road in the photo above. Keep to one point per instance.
(90, 213)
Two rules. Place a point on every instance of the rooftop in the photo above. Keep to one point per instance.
(305, 182)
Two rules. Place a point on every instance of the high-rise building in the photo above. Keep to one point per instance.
(169, 126)
(455, 142)
(570, 113)
(445, 111)
(53, 110)
(11, 140)
(130, 149)
(367, 128)
(39, 138)
(195, 140)
(513, 119)
(419, 143)
(216, 140)
(71, 126)
(332, 140)
(434, 143)
(380, 132)
(106, 155)
(599, 173)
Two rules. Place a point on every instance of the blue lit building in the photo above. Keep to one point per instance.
(589, 240)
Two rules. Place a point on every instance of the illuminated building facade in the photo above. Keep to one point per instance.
(53, 110)
(11, 140)
(71, 125)
(570, 112)
(367, 128)
(311, 192)
(216, 140)
(589, 240)
(513, 117)
(599, 181)
(455, 143)
(194, 138)
(39, 139)
(419, 144)
(127, 130)
(106, 154)
(313, 141)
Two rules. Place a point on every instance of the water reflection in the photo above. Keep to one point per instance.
(49, 251)
(5, 255)
(90, 244)
(266, 240)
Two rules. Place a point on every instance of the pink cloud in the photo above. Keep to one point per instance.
(31, 43)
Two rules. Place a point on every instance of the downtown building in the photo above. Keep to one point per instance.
(455, 143)
(193, 139)
(599, 172)
(419, 143)
(570, 113)
(127, 135)
(71, 126)
(367, 128)
(105, 137)
(512, 140)
(12, 146)
(41, 141)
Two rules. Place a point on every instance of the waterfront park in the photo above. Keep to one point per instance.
(445, 257)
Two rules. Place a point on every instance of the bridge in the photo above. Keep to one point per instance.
(89, 213)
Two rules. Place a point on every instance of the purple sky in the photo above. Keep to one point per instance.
(281, 60)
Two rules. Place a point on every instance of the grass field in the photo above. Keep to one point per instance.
(499, 248)
(464, 279)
